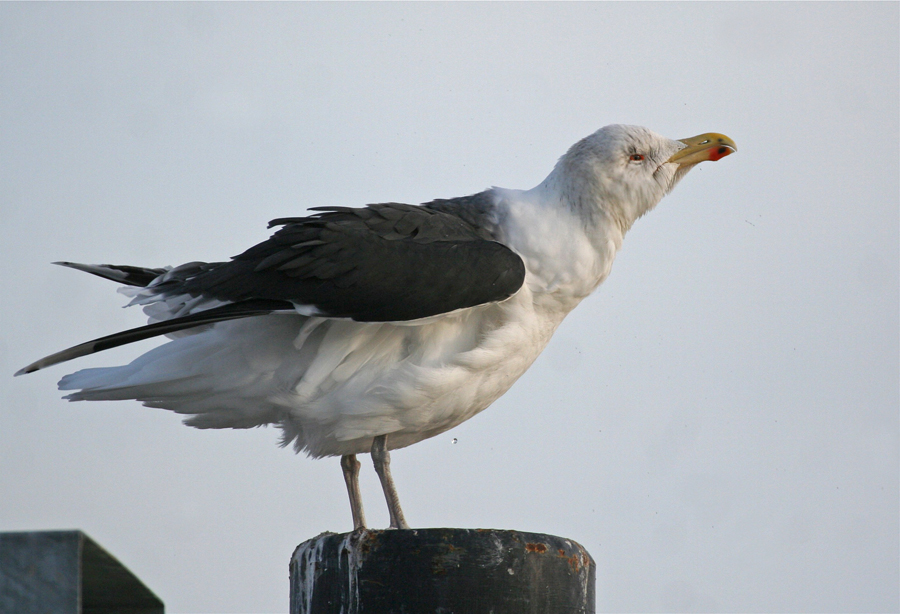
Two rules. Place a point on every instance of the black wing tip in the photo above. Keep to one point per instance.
(231, 311)
(119, 273)
(25, 370)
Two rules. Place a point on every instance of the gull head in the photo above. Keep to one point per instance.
(624, 171)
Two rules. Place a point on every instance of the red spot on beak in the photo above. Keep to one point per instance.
(720, 152)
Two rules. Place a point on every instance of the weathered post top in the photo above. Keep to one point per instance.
(451, 571)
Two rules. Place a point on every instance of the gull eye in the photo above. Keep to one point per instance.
(637, 157)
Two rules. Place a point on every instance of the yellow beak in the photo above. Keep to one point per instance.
(709, 146)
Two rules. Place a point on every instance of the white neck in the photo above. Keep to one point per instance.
(567, 253)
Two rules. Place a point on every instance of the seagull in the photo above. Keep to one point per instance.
(365, 330)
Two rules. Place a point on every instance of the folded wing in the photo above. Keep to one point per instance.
(384, 263)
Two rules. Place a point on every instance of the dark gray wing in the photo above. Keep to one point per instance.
(385, 262)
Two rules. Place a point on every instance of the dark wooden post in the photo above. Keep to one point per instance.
(446, 571)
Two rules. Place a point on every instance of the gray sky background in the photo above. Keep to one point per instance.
(718, 425)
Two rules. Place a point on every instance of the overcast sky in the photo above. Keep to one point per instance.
(717, 425)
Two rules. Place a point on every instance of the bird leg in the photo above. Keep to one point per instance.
(350, 467)
(382, 461)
